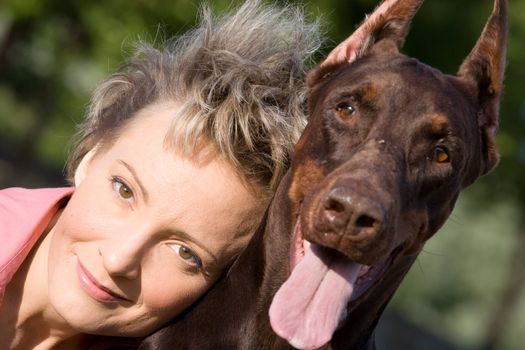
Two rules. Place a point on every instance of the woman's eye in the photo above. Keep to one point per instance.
(187, 255)
(122, 189)
(345, 110)
(441, 155)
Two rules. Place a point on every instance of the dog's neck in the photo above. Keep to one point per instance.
(357, 332)
(233, 314)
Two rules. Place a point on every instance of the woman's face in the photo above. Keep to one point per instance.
(145, 233)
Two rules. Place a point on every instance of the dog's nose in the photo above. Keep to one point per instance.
(348, 212)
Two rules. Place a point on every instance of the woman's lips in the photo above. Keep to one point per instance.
(95, 289)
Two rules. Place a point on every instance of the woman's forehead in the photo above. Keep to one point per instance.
(206, 182)
(203, 195)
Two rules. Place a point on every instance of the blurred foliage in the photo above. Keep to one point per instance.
(456, 284)
(52, 54)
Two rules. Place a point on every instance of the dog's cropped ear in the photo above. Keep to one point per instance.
(483, 70)
(390, 20)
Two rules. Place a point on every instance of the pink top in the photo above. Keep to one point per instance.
(24, 215)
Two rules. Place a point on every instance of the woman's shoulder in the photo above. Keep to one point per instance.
(24, 213)
(22, 208)
(29, 196)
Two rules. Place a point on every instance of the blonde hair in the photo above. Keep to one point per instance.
(239, 80)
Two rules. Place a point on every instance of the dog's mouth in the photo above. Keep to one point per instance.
(310, 305)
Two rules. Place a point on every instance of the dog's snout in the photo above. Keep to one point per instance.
(336, 211)
(348, 212)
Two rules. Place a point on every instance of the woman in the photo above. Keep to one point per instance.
(180, 152)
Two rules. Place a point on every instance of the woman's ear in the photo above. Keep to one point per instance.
(84, 166)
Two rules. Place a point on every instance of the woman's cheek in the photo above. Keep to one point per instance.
(86, 218)
(174, 291)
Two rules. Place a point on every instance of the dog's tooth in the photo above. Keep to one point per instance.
(364, 269)
(306, 244)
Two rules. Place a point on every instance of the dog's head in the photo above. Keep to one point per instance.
(389, 145)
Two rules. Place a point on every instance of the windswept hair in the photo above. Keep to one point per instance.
(239, 82)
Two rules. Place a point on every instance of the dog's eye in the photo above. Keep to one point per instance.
(345, 110)
(441, 155)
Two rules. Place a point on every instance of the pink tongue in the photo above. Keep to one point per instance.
(307, 308)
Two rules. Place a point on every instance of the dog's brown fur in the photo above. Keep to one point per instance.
(390, 144)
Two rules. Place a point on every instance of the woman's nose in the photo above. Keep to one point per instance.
(123, 257)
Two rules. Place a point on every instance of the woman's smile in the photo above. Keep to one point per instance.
(96, 290)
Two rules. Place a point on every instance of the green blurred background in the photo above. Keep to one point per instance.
(467, 290)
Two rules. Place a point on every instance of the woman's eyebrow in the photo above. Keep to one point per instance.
(136, 178)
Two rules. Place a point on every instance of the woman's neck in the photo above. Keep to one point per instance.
(27, 319)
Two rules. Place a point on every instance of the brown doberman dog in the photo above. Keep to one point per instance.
(390, 144)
